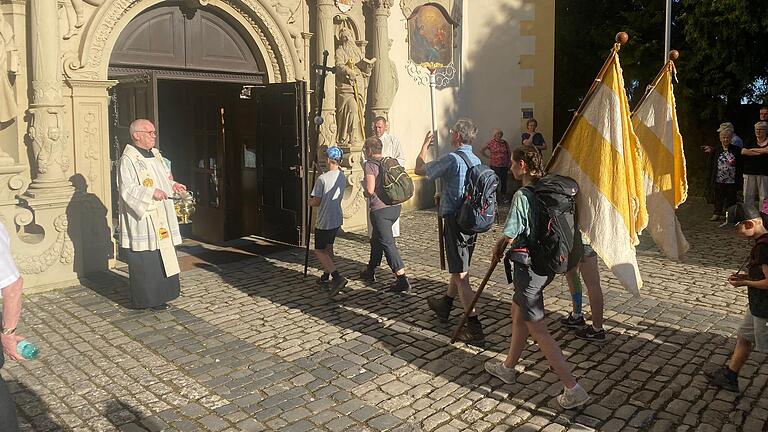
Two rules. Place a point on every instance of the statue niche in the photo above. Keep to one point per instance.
(353, 71)
(9, 61)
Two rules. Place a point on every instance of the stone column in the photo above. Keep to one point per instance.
(47, 133)
(383, 79)
(46, 245)
(324, 40)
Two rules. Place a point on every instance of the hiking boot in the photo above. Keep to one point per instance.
(501, 372)
(337, 284)
(473, 334)
(401, 285)
(322, 283)
(573, 322)
(368, 275)
(441, 306)
(589, 333)
(573, 397)
(720, 378)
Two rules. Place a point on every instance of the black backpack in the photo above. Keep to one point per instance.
(396, 184)
(478, 204)
(556, 246)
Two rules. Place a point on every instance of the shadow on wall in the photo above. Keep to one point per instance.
(489, 85)
(88, 229)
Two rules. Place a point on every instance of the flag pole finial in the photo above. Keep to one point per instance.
(622, 37)
(674, 55)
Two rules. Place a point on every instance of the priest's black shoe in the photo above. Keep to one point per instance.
(160, 307)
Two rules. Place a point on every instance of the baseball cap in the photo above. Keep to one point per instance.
(334, 153)
(725, 126)
(739, 213)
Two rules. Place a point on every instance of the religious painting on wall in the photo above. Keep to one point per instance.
(430, 36)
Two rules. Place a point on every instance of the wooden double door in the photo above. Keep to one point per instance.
(241, 150)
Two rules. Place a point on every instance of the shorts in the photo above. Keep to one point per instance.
(588, 251)
(458, 246)
(325, 238)
(529, 291)
(755, 330)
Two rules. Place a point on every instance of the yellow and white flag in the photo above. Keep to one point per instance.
(600, 151)
(663, 162)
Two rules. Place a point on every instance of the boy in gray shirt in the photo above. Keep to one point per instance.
(327, 195)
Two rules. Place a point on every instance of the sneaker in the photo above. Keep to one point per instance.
(714, 217)
(337, 284)
(473, 334)
(573, 397)
(719, 378)
(401, 285)
(573, 322)
(589, 333)
(441, 307)
(501, 372)
(368, 275)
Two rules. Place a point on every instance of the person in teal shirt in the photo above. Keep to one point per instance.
(528, 300)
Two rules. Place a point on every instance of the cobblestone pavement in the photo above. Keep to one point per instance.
(253, 346)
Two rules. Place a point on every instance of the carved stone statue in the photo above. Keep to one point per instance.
(352, 73)
(9, 62)
(76, 15)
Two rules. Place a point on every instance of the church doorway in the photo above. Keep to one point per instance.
(236, 140)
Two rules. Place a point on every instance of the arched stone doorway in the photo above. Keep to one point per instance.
(233, 136)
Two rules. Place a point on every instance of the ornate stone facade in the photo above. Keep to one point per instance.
(55, 186)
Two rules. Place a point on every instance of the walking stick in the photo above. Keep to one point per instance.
(474, 301)
(322, 71)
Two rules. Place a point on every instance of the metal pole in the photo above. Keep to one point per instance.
(432, 86)
(667, 30)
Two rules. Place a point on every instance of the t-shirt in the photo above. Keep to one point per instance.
(452, 170)
(521, 222)
(726, 168)
(538, 139)
(8, 271)
(758, 298)
(755, 165)
(329, 187)
(499, 153)
(372, 168)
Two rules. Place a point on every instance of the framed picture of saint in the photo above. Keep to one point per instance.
(430, 36)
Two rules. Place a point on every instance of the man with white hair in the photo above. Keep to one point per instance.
(149, 230)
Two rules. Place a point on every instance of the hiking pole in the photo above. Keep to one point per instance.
(322, 71)
(440, 239)
(474, 301)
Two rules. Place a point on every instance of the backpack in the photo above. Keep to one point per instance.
(396, 184)
(556, 246)
(478, 203)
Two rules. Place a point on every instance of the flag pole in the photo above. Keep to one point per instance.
(667, 28)
(621, 39)
(673, 55)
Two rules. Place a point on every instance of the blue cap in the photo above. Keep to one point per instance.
(334, 153)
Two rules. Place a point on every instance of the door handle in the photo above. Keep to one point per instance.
(298, 169)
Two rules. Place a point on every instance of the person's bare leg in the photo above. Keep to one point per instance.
(466, 295)
(518, 339)
(325, 260)
(574, 288)
(548, 346)
(740, 354)
(591, 275)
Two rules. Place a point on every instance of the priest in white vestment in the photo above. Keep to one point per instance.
(390, 148)
(149, 230)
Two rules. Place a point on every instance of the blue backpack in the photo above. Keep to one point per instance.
(478, 204)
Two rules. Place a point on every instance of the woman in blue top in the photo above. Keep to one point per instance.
(528, 301)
